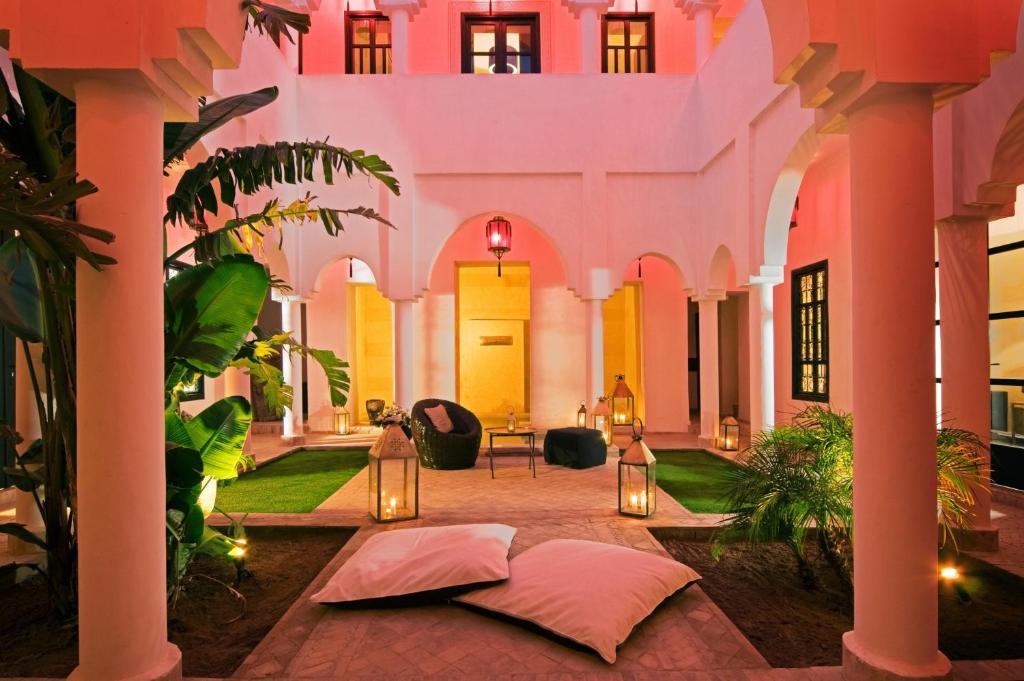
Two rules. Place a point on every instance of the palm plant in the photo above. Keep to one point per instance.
(42, 244)
(799, 478)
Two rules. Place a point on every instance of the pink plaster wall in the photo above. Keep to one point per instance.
(665, 387)
(326, 329)
(823, 233)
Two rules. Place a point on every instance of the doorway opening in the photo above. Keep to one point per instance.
(492, 340)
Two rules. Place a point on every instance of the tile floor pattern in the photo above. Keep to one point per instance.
(688, 633)
(688, 638)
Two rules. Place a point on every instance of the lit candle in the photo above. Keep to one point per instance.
(634, 501)
(643, 501)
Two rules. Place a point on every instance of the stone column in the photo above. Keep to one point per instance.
(404, 353)
(237, 382)
(703, 14)
(963, 311)
(762, 333)
(400, 13)
(121, 486)
(589, 14)
(291, 366)
(595, 350)
(26, 422)
(895, 631)
(709, 390)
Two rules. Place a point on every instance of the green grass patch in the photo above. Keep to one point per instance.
(694, 478)
(298, 483)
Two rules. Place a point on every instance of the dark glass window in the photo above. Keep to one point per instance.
(368, 37)
(628, 43)
(501, 43)
(810, 332)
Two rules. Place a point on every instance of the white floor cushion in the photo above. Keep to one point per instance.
(422, 559)
(591, 593)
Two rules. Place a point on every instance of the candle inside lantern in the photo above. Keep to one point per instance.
(634, 501)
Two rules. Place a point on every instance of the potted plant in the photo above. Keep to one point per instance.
(394, 415)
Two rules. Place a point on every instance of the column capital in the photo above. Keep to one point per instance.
(839, 52)
(577, 6)
(768, 275)
(170, 48)
(279, 297)
(691, 8)
(411, 7)
(710, 295)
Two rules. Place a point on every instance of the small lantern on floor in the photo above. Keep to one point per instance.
(638, 489)
(394, 477)
(499, 238)
(510, 421)
(342, 421)
(581, 415)
(729, 438)
(622, 402)
(603, 419)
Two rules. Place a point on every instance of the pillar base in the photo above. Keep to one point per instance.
(293, 439)
(858, 665)
(705, 441)
(167, 669)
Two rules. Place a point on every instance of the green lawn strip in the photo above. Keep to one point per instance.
(297, 483)
(694, 478)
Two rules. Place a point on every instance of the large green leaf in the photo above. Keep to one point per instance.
(180, 137)
(19, 531)
(219, 432)
(20, 308)
(337, 378)
(211, 308)
(184, 467)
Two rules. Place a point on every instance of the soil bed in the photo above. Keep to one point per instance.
(792, 626)
(284, 559)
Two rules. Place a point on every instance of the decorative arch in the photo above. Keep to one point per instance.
(631, 263)
(718, 270)
(321, 273)
(478, 220)
(783, 198)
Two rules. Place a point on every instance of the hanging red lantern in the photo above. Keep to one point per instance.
(499, 238)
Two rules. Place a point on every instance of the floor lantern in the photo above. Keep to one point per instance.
(394, 477)
(638, 489)
(729, 438)
(602, 414)
(499, 238)
(581, 415)
(622, 402)
(342, 421)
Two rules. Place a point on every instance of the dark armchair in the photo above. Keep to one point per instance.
(446, 451)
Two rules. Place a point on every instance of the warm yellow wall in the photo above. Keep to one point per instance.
(1006, 294)
(371, 331)
(495, 377)
(623, 351)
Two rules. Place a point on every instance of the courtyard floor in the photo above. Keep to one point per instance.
(688, 638)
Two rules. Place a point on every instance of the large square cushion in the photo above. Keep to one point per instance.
(418, 560)
(575, 447)
(591, 593)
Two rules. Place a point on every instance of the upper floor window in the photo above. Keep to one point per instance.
(502, 43)
(810, 332)
(628, 43)
(368, 37)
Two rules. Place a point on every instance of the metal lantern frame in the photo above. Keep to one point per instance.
(581, 415)
(623, 403)
(729, 434)
(601, 416)
(390, 449)
(638, 463)
(342, 421)
(499, 237)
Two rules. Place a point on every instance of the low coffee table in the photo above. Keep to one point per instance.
(528, 433)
